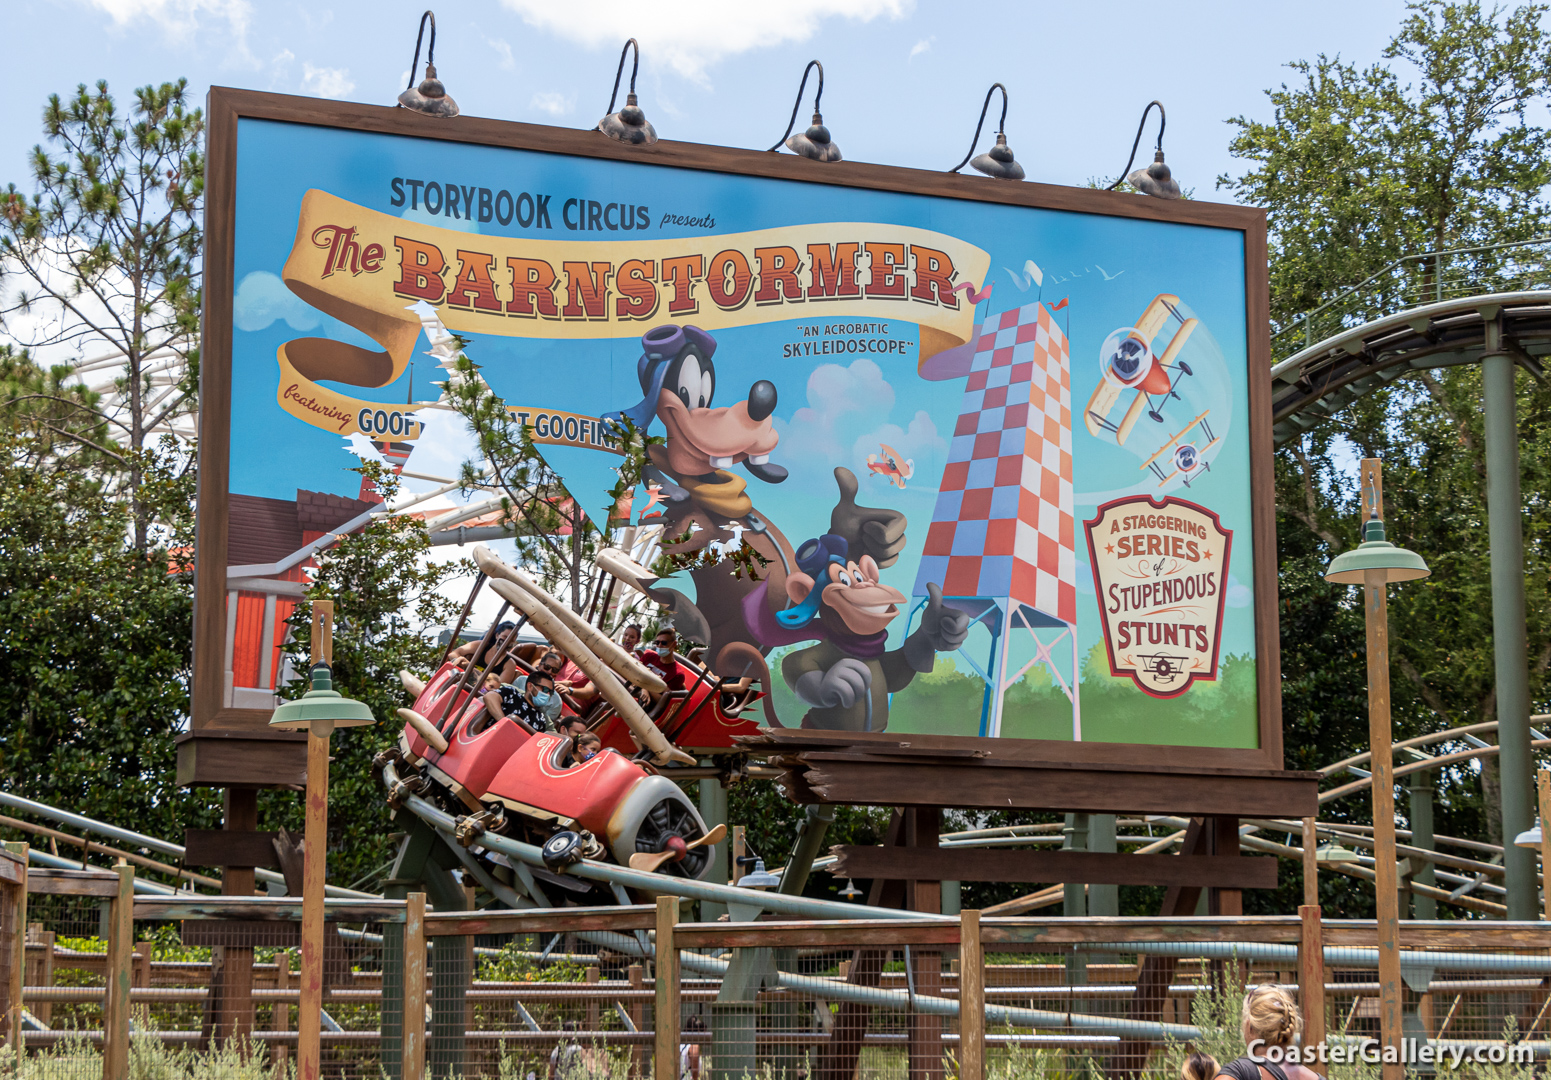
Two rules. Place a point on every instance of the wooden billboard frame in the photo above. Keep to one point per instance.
(226, 106)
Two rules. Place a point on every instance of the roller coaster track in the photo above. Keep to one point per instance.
(1424, 311)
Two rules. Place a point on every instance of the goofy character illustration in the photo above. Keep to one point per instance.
(679, 380)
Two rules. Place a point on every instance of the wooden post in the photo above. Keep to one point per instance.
(1386, 881)
(115, 1011)
(414, 987)
(739, 850)
(972, 999)
(924, 1046)
(309, 1022)
(282, 1018)
(1543, 785)
(229, 1012)
(637, 1013)
(665, 1044)
(1311, 976)
(17, 967)
(1310, 864)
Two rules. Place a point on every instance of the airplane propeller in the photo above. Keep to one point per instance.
(676, 849)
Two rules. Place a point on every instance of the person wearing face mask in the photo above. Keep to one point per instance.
(573, 680)
(525, 707)
(659, 657)
(549, 665)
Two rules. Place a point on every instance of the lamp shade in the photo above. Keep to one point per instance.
(1530, 838)
(1376, 554)
(759, 878)
(998, 161)
(323, 706)
(1335, 853)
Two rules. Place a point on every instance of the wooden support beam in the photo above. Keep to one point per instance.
(115, 1010)
(665, 1018)
(234, 846)
(1311, 976)
(13, 966)
(957, 864)
(413, 1044)
(972, 999)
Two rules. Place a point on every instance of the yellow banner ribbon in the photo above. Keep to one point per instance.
(367, 269)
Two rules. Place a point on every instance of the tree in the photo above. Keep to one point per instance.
(557, 540)
(95, 643)
(385, 595)
(1431, 149)
(104, 259)
(1358, 168)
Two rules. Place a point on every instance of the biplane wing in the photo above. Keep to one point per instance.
(1107, 393)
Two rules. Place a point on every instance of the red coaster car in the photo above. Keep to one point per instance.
(615, 799)
(627, 806)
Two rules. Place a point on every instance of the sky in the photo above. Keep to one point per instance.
(904, 80)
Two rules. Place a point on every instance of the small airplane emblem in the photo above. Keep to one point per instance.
(1163, 668)
(1187, 459)
(1129, 363)
(888, 465)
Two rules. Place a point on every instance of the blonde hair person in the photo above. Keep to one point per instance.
(1199, 1066)
(1271, 1024)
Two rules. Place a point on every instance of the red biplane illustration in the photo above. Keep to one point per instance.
(1131, 364)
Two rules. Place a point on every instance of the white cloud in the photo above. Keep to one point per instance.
(179, 19)
(326, 81)
(924, 45)
(552, 102)
(504, 50)
(262, 298)
(844, 403)
(692, 35)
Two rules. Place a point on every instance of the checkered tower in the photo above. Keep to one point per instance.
(1002, 543)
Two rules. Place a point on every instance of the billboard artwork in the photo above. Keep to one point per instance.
(995, 458)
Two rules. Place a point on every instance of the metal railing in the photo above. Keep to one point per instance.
(1425, 278)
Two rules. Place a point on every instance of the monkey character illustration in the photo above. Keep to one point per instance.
(679, 380)
(847, 677)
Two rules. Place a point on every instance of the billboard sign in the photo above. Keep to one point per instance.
(1000, 446)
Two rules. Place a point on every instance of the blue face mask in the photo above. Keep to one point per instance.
(541, 698)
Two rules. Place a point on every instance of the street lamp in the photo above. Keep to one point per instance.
(998, 161)
(1155, 180)
(629, 125)
(430, 97)
(814, 143)
(318, 712)
(1374, 564)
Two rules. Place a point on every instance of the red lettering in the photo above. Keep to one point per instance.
(682, 272)
(1154, 544)
(778, 268)
(372, 258)
(420, 270)
(1193, 551)
(343, 252)
(637, 289)
(473, 288)
(934, 275)
(888, 270)
(587, 289)
(533, 288)
(834, 271)
(728, 280)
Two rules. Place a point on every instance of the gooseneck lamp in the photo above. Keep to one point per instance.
(430, 97)
(998, 161)
(814, 143)
(628, 125)
(1155, 180)
(1376, 555)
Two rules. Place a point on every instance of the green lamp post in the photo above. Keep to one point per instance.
(1374, 564)
(318, 712)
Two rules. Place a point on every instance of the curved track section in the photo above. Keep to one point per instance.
(1316, 383)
